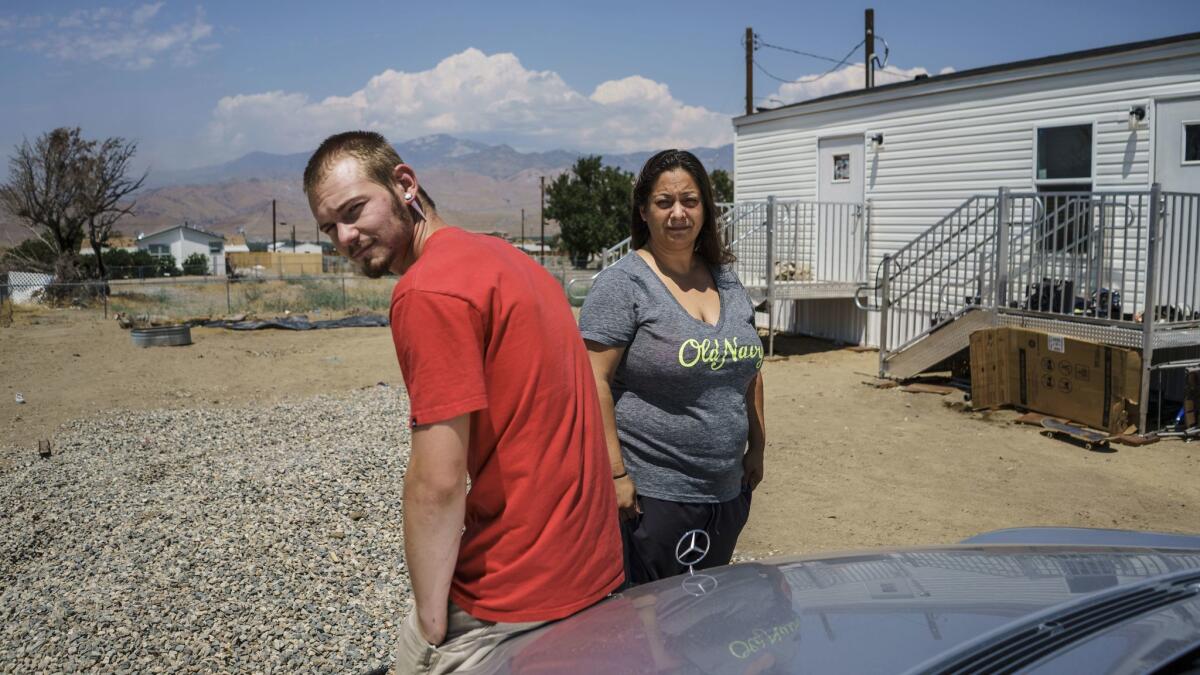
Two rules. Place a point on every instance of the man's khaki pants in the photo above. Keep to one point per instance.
(468, 642)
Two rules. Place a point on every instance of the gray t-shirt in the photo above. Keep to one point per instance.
(680, 389)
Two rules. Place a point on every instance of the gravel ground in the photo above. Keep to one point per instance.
(255, 539)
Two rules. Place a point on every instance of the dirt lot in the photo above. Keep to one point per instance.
(848, 465)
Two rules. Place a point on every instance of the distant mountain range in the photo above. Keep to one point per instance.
(441, 151)
(476, 185)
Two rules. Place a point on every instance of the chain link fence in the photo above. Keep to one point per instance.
(142, 292)
(181, 299)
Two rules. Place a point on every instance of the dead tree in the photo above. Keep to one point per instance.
(64, 188)
(106, 186)
(44, 189)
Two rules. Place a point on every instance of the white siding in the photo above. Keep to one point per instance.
(946, 141)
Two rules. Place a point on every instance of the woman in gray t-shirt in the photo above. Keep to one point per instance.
(677, 359)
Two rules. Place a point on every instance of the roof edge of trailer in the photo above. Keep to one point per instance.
(984, 70)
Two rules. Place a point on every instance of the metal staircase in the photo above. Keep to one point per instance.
(1119, 268)
(933, 289)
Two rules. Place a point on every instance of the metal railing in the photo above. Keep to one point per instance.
(1124, 261)
(779, 241)
(1177, 299)
(1084, 255)
(938, 276)
(1077, 254)
(613, 253)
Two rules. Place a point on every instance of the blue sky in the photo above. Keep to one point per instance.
(201, 82)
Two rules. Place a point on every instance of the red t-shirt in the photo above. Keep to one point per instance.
(480, 328)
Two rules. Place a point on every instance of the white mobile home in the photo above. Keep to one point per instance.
(296, 247)
(182, 241)
(1109, 120)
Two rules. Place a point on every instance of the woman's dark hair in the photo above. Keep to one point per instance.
(709, 243)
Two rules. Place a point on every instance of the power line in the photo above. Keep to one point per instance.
(768, 45)
(806, 80)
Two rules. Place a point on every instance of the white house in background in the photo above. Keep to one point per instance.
(1103, 120)
(301, 247)
(182, 241)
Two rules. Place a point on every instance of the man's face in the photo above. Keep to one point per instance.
(366, 222)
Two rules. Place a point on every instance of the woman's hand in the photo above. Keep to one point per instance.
(627, 505)
(752, 468)
(756, 442)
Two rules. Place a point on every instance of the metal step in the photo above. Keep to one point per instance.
(806, 290)
(939, 345)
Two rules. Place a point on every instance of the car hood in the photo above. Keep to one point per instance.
(878, 611)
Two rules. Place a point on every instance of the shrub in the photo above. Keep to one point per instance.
(196, 264)
(164, 266)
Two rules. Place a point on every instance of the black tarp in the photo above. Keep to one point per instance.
(300, 322)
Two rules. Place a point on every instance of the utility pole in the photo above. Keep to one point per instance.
(274, 238)
(293, 239)
(870, 44)
(749, 70)
(542, 209)
(522, 227)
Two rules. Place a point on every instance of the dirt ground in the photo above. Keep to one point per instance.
(848, 465)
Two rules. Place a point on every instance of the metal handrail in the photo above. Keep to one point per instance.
(959, 230)
(927, 234)
(623, 246)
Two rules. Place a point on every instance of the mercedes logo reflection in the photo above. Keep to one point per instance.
(692, 548)
(697, 585)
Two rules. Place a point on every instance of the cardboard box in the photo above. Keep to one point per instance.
(1086, 382)
(989, 368)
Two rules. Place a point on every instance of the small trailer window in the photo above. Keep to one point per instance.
(841, 168)
(1191, 142)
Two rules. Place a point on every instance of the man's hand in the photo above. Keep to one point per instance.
(431, 626)
(756, 442)
(435, 498)
(627, 505)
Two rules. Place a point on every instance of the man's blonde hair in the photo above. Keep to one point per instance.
(374, 154)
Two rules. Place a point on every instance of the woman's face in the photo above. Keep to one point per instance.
(675, 211)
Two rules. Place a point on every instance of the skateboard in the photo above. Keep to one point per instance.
(1090, 439)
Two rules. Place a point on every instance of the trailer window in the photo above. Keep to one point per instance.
(841, 168)
(1064, 153)
(1191, 142)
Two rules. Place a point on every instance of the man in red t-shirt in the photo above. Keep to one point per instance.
(501, 390)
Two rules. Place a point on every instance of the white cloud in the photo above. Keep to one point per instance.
(125, 38)
(849, 78)
(474, 94)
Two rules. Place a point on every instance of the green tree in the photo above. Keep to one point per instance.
(591, 204)
(34, 252)
(722, 185)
